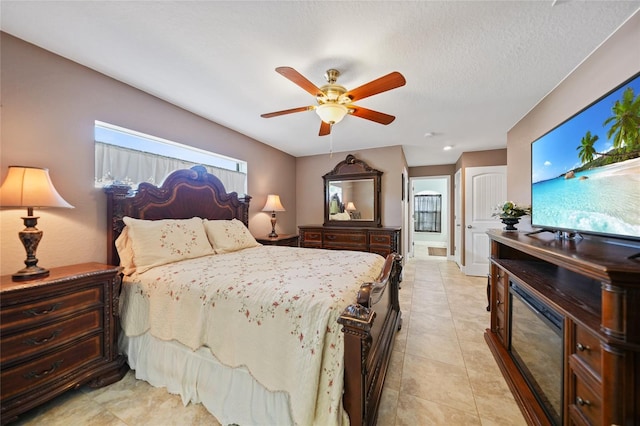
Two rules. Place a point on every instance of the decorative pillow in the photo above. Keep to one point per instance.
(228, 235)
(157, 242)
(341, 216)
(125, 252)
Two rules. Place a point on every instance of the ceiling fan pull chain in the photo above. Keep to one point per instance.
(331, 143)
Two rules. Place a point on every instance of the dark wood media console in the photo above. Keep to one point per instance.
(595, 287)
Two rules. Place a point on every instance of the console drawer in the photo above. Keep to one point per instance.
(586, 400)
(586, 348)
(501, 326)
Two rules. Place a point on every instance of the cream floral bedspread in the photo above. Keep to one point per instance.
(272, 309)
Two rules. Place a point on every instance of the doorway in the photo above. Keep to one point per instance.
(429, 205)
(485, 188)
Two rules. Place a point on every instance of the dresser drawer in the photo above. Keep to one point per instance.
(586, 348)
(312, 236)
(376, 238)
(27, 344)
(50, 367)
(48, 309)
(346, 237)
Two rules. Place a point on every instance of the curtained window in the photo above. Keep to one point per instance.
(428, 213)
(130, 157)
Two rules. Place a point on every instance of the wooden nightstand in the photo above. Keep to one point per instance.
(58, 333)
(290, 240)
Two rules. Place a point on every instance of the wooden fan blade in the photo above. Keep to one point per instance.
(382, 84)
(299, 79)
(286, 111)
(369, 114)
(325, 129)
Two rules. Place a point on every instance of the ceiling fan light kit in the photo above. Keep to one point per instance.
(331, 113)
(335, 101)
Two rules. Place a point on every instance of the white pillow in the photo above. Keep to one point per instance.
(125, 252)
(228, 235)
(157, 242)
(341, 216)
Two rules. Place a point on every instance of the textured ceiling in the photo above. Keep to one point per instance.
(473, 69)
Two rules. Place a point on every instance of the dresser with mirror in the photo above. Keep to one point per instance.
(352, 219)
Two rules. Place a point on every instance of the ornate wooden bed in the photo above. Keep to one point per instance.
(369, 324)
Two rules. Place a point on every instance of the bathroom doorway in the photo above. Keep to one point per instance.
(429, 219)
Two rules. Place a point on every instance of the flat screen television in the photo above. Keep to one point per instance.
(585, 173)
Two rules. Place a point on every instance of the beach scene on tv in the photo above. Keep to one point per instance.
(586, 172)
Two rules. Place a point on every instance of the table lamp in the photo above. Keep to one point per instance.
(273, 205)
(30, 187)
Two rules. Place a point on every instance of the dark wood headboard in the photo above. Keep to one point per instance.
(184, 194)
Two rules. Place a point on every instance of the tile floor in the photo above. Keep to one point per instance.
(441, 372)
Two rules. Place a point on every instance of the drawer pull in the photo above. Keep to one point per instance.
(330, 237)
(580, 347)
(498, 302)
(36, 342)
(34, 375)
(35, 313)
(583, 402)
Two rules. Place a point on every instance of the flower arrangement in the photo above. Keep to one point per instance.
(509, 209)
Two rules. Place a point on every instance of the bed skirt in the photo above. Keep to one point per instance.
(232, 395)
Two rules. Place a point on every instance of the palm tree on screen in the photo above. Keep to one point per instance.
(625, 129)
(586, 151)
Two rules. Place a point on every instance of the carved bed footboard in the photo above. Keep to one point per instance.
(369, 328)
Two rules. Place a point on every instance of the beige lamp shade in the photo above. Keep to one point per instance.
(30, 187)
(273, 204)
(350, 206)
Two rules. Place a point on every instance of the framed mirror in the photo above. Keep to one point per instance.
(352, 194)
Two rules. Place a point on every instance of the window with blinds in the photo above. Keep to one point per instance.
(130, 157)
(427, 212)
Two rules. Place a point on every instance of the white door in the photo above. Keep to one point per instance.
(457, 219)
(485, 188)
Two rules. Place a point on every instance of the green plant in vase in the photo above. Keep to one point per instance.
(510, 214)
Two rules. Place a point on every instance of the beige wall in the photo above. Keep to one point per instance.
(49, 105)
(616, 60)
(424, 171)
(310, 185)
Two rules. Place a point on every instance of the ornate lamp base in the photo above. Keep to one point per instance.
(30, 237)
(273, 226)
(30, 273)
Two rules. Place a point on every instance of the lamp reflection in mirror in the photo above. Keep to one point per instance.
(331, 112)
(350, 206)
(273, 205)
(30, 187)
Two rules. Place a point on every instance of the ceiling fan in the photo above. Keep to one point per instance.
(334, 101)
